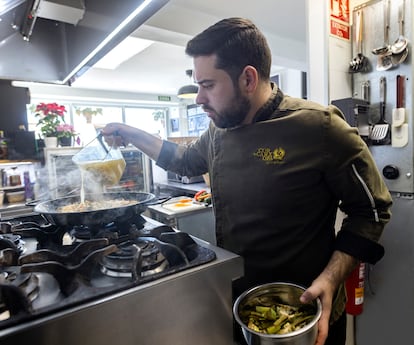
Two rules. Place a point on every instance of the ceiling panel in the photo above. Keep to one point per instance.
(160, 69)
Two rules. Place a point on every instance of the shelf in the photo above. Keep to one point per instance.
(12, 187)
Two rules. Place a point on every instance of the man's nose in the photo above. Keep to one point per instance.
(200, 98)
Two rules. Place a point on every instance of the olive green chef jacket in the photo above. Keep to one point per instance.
(277, 184)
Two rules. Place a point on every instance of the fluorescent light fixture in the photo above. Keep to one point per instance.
(122, 52)
(127, 20)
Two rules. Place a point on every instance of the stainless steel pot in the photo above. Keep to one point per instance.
(280, 292)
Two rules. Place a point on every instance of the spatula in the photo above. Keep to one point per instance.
(380, 133)
(399, 128)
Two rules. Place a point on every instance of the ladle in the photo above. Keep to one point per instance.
(401, 42)
(359, 63)
(385, 48)
(400, 57)
(384, 61)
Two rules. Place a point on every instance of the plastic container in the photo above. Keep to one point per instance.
(13, 197)
(102, 163)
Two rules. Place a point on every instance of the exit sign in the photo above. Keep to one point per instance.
(164, 98)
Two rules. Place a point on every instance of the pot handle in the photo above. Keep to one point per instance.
(159, 201)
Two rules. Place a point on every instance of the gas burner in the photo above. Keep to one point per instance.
(18, 292)
(46, 235)
(11, 247)
(116, 231)
(82, 233)
(12, 241)
(28, 282)
(46, 267)
(142, 258)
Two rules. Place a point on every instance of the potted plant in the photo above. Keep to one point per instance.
(88, 112)
(65, 134)
(50, 116)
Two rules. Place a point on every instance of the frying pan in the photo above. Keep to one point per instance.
(50, 209)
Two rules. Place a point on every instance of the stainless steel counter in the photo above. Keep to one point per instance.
(190, 307)
(177, 189)
(199, 222)
(9, 211)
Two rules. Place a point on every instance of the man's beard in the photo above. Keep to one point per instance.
(234, 114)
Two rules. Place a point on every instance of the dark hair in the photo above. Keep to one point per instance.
(237, 42)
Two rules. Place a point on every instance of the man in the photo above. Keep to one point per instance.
(279, 169)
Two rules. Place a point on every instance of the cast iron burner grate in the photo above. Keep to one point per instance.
(51, 276)
(134, 259)
(119, 231)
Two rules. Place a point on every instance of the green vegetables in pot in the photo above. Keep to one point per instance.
(277, 318)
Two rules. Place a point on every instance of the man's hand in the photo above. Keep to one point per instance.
(325, 285)
(323, 289)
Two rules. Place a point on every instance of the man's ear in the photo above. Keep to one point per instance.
(249, 79)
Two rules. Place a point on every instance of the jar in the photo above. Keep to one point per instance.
(14, 177)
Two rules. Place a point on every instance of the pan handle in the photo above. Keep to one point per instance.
(159, 201)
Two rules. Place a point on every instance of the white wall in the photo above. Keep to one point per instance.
(291, 82)
(328, 56)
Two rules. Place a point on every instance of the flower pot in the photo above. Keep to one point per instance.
(51, 142)
(65, 141)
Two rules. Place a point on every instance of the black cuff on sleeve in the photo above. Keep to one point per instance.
(359, 247)
(167, 152)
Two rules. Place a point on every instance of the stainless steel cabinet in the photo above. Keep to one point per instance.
(199, 223)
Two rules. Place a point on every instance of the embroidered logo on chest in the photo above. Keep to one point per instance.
(269, 156)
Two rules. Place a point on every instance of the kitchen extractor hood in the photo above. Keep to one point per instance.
(67, 11)
(55, 41)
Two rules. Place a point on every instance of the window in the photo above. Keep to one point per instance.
(148, 119)
(88, 119)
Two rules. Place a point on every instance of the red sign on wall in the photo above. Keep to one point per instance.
(340, 10)
(339, 29)
(339, 19)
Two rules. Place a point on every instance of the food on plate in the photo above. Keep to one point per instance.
(277, 318)
(203, 196)
(183, 202)
(95, 205)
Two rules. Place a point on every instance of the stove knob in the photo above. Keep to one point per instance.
(391, 172)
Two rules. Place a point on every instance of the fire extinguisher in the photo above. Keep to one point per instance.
(355, 290)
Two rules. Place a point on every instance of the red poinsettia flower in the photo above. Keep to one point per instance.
(51, 109)
(50, 116)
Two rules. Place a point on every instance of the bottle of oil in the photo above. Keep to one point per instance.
(28, 187)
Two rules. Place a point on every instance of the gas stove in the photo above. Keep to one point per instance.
(46, 269)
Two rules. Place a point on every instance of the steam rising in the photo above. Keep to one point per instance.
(63, 178)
